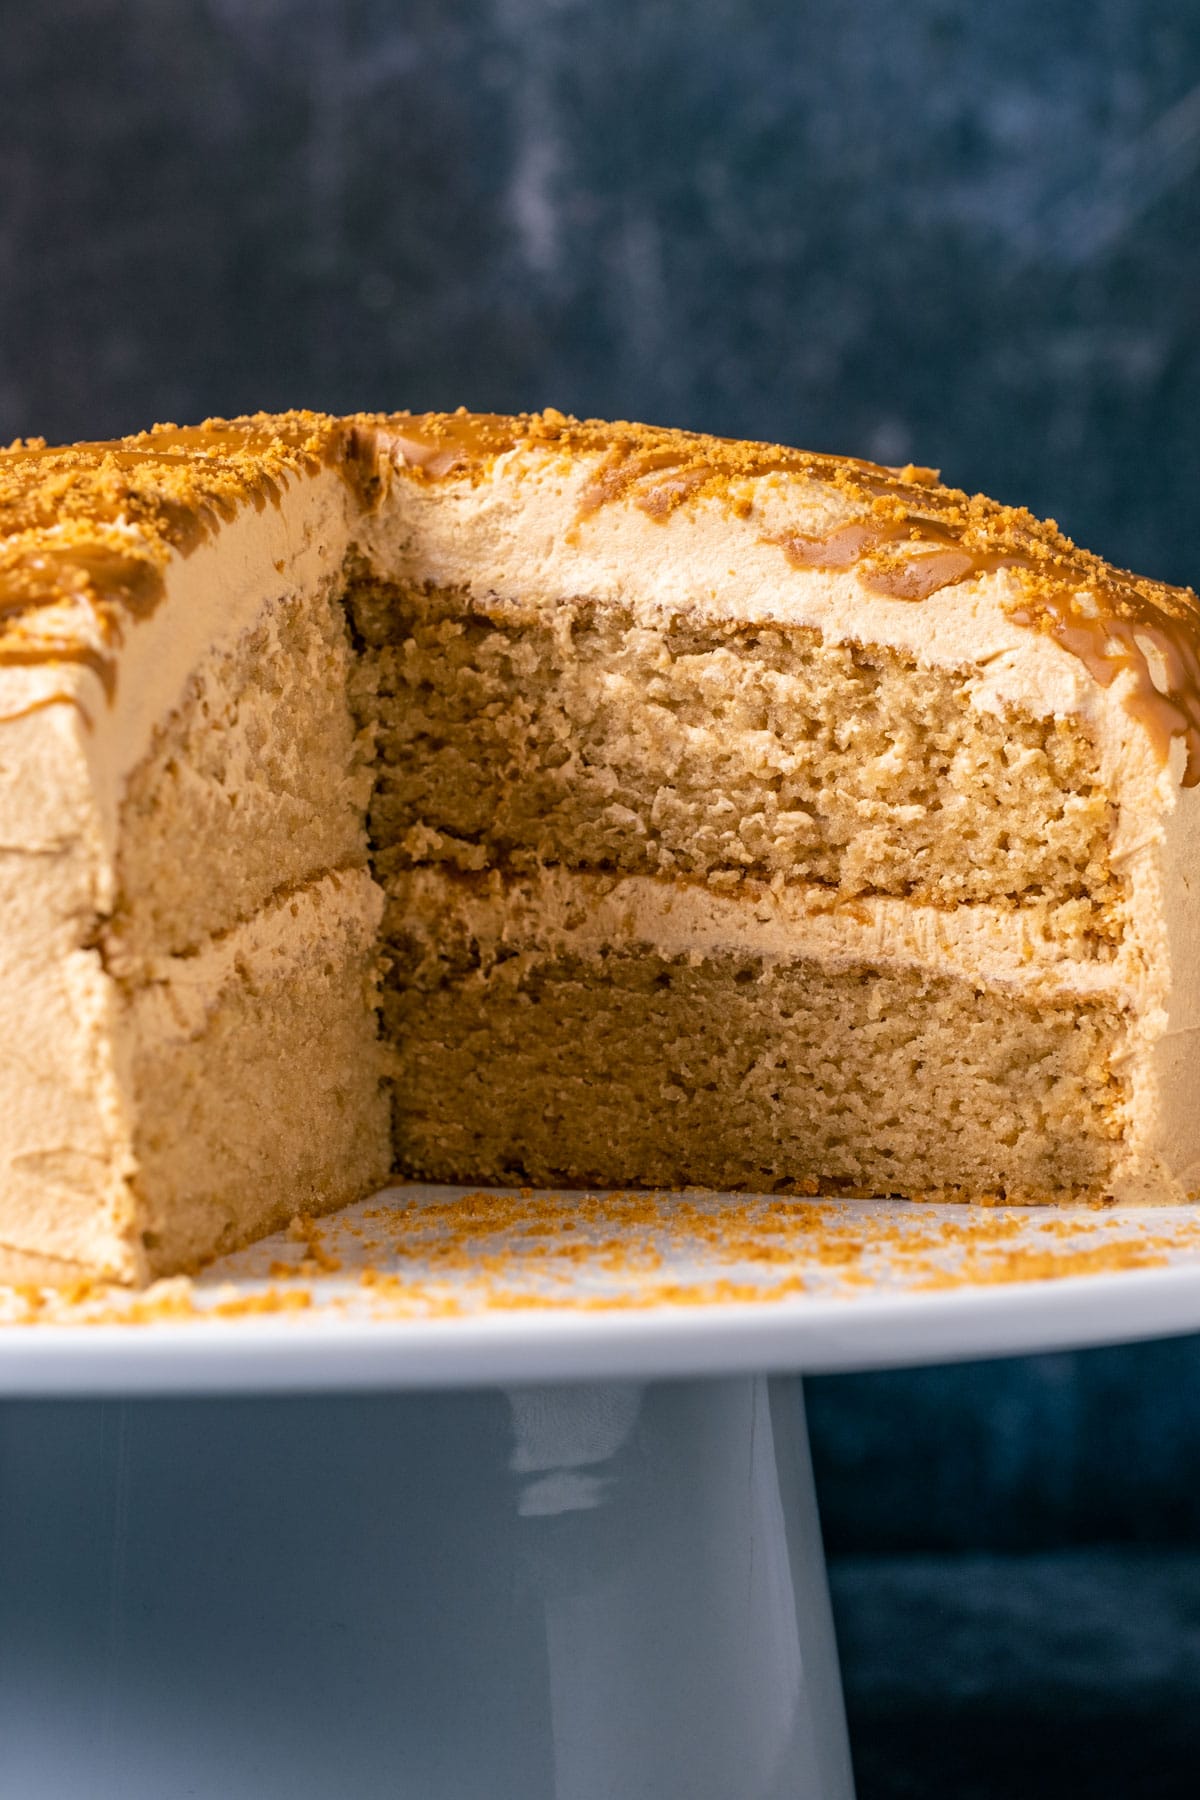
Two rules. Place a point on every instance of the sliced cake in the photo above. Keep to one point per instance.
(518, 799)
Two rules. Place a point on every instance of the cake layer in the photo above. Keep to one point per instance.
(730, 752)
(254, 780)
(741, 1072)
(258, 1073)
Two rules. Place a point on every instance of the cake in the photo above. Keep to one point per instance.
(527, 800)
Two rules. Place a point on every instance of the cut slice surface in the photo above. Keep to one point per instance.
(622, 1062)
(599, 742)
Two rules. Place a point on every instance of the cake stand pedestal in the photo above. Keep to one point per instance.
(595, 1592)
(520, 1554)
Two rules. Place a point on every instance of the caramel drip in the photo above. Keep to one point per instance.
(1111, 647)
(83, 570)
(42, 703)
(436, 445)
(48, 651)
(1062, 598)
(111, 585)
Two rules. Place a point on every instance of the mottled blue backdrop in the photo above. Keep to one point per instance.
(964, 234)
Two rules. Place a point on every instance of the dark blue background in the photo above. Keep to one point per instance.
(965, 234)
(956, 232)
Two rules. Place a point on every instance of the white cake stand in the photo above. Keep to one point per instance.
(525, 1513)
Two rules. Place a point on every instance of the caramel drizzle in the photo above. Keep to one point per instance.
(86, 571)
(112, 584)
(1108, 648)
(657, 469)
(47, 652)
(913, 577)
(1057, 597)
(42, 703)
(435, 445)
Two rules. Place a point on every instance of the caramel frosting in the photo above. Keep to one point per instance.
(87, 531)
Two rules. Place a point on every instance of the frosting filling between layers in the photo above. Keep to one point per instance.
(569, 911)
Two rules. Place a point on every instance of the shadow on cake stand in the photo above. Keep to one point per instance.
(512, 1554)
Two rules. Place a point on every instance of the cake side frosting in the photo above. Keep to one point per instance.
(258, 1072)
(64, 1116)
(123, 572)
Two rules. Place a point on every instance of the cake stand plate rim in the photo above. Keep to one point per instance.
(821, 1335)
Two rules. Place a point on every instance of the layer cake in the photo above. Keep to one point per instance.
(520, 799)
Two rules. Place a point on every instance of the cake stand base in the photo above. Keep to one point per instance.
(523, 1523)
(609, 1591)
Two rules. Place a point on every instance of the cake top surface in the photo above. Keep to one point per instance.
(87, 530)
